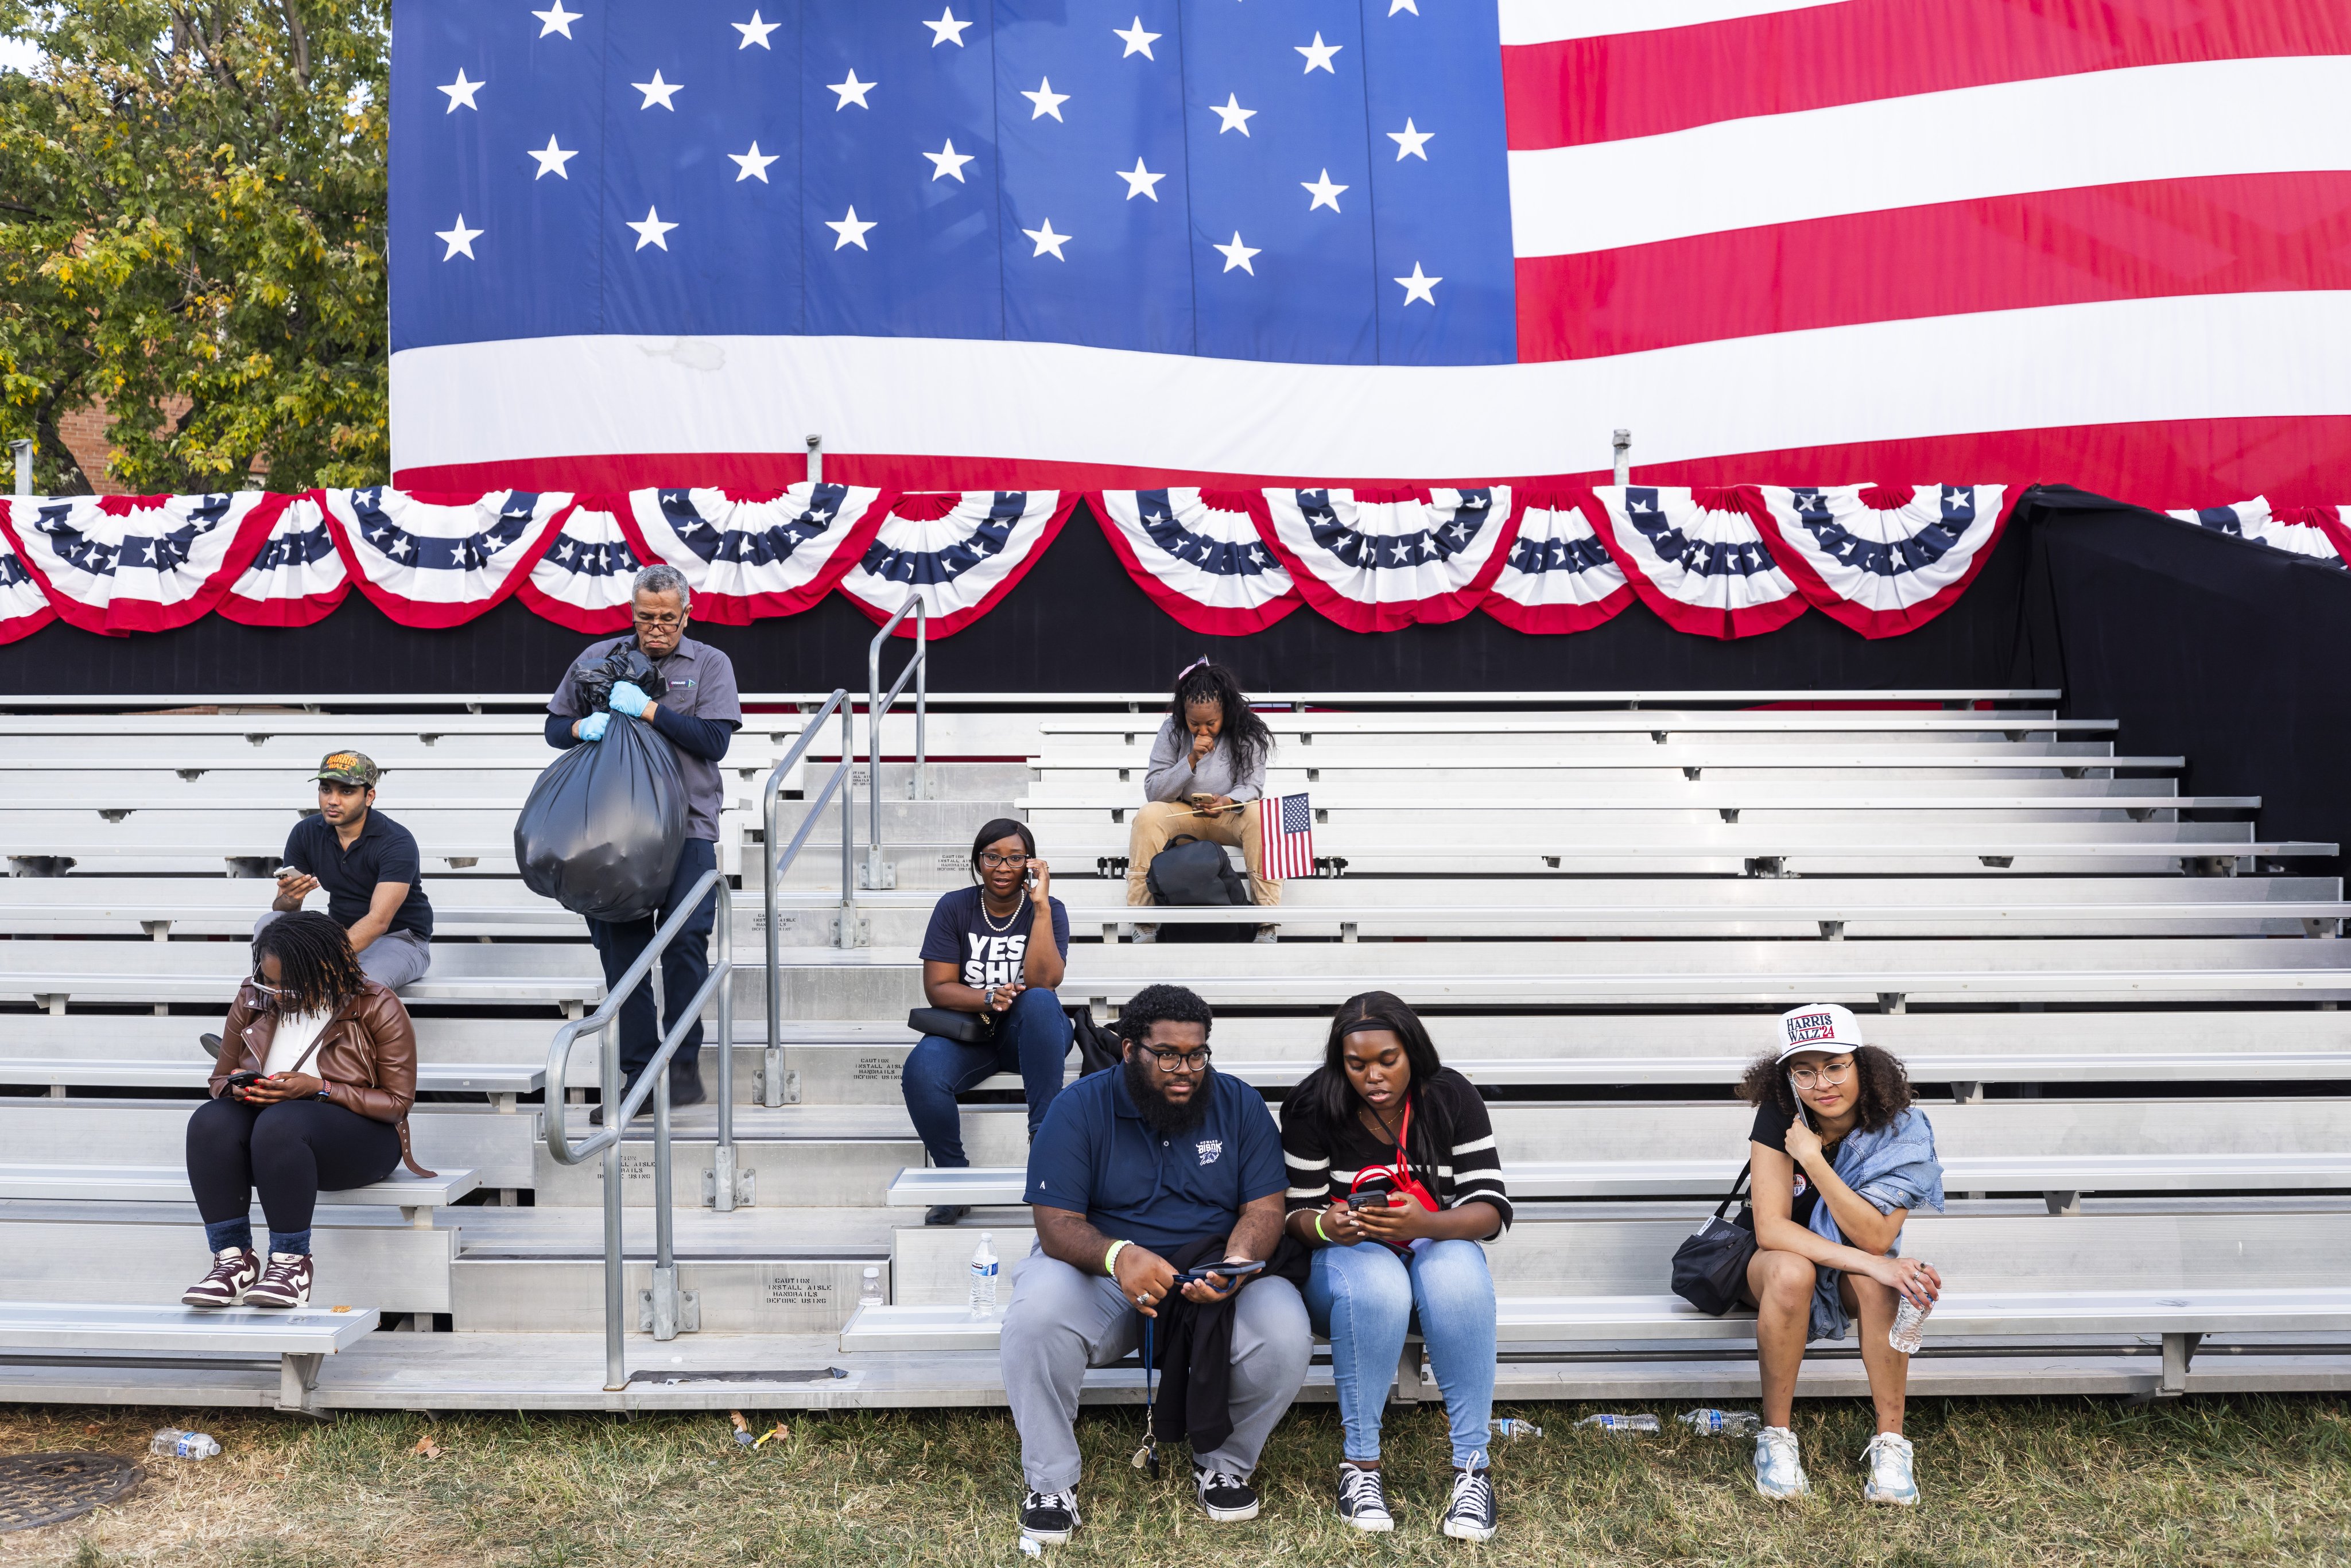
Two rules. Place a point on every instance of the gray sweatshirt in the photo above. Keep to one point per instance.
(1172, 776)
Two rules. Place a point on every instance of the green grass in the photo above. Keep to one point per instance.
(2233, 1481)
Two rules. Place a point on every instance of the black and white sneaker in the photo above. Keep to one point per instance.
(1228, 1498)
(1048, 1517)
(1363, 1499)
(1470, 1515)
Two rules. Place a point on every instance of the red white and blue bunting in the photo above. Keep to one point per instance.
(582, 581)
(751, 555)
(297, 578)
(24, 608)
(1558, 576)
(1198, 554)
(117, 564)
(1882, 560)
(960, 552)
(2320, 533)
(1698, 558)
(1379, 561)
(432, 561)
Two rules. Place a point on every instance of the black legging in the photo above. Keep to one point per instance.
(290, 1150)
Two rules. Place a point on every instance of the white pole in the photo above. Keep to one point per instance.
(816, 461)
(23, 452)
(1622, 445)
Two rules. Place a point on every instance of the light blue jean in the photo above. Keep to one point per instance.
(1362, 1297)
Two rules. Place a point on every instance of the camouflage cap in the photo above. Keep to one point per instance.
(348, 767)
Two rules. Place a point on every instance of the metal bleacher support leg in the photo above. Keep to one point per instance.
(2178, 1351)
(2063, 1202)
(1410, 1388)
(298, 1375)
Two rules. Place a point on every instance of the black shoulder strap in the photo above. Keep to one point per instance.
(1736, 1188)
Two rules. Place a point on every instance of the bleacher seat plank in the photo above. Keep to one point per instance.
(169, 1184)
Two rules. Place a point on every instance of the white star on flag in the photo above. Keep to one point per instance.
(1140, 182)
(462, 91)
(851, 92)
(946, 29)
(753, 164)
(1324, 193)
(851, 230)
(949, 162)
(399, 548)
(755, 31)
(1047, 101)
(1047, 242)
(1234, 116)
(1410, 143)
(1318, 55)
(1419, 286)
(653, 231)
(551, 160)
(1238, 254)
(657, 91)
(1138, 42)
(557, 20)
(460, 240)
(1396, 6)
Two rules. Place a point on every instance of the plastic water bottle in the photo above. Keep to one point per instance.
(869, 1292)
(1909, 1330)
(172, 1443)
(982, 1276)
(1621, 1423)
(1721, 1423)
(1512, 1426)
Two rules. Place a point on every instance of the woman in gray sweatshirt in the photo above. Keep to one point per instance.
(1208, 766)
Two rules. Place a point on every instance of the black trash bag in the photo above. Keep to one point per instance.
(626, 662)
(604, 825)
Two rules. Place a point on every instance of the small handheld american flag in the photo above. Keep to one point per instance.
(1286, 829)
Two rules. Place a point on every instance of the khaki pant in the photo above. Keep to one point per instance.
(1160, 821)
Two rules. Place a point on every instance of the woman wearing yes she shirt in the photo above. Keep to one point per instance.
(987, 952)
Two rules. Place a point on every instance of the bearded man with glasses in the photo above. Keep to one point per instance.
(697, 711)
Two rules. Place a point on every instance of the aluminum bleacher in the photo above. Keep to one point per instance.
(2118, 999)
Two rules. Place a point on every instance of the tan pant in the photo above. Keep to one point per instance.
(1160, 821)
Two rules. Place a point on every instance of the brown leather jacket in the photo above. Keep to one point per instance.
(366, 1056)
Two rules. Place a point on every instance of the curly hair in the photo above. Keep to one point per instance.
(1883, 1095)
(1158, 1004)
(1245, 736)
(318, 971)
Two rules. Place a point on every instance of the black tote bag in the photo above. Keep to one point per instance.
(1710, 1265)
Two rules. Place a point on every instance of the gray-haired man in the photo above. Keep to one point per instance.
(697, 712)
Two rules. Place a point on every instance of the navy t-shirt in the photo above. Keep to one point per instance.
(384, 851)
(1094, 1155)
(986, 951)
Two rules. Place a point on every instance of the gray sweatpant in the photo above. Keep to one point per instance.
(1062, 1322)
(393, 959)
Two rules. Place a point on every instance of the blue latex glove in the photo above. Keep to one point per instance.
(592, 727)
(627, 699)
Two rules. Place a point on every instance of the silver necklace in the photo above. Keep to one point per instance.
(989, 920)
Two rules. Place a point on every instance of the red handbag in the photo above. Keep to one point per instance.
(1398, 1176)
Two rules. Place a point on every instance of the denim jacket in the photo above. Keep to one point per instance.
(1893, 1167)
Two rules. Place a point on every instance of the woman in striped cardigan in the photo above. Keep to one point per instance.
(1394, 1182)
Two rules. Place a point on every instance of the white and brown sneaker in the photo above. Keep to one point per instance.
(233, 1271)
(285, 1283)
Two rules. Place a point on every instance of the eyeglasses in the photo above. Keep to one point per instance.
(1828, 1072)
(1178, 1060)
(990, 860)
(264, 987)
(660, 622)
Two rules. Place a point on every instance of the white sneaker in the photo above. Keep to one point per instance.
(1890, 1480)
(1363, 1499)
(1048, 1517)
(1779, 1473)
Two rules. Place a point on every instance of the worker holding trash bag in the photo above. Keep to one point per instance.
(620, 828)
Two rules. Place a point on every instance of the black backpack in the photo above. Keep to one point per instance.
(1193, 870)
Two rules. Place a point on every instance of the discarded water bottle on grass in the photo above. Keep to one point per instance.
(1711, 1423)
(1909, 1330)
(1621, 1423)
(172, 1443)
(982, 1276)
(869, 1292)
(1512, 1426)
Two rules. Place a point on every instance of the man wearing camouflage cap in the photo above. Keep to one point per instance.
(369, 867)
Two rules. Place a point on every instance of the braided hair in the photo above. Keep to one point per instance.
(1244, 736)
(1328, 1093)
(318, 972)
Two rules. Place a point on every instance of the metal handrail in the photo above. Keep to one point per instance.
(653, 1080)
(845, 934)
(878, 871)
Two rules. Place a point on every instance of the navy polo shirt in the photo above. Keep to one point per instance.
(384, 851)
(1095, 1155)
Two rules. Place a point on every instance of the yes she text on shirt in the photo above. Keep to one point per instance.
(994, 960)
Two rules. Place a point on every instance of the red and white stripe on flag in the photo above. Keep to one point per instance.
(1286, 835)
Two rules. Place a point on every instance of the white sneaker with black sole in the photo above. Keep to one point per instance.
(1228, 1498)
(1472, 1516)
(1048, 1517)
(1363, 1499)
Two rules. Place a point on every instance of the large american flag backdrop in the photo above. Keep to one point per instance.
(1128, 243)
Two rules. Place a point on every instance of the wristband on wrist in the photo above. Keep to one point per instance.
(1318, 1227)
(1110, 1259)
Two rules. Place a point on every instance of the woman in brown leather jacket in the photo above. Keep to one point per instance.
(335, 1057)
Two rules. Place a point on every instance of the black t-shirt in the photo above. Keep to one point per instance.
(1771, 1126)
(384, 851)
(986, 951)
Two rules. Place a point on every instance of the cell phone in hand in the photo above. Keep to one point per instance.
(1228, 1271)
(1372, 1198)
(244, 1078)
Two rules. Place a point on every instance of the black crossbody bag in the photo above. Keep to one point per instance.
(1710, 1265)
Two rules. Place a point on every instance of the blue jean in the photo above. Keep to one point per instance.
(1032, 1039)
(685, 968)
(1362, 1297)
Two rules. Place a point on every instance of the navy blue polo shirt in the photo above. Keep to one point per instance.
(384, 851)
(1094, 1155)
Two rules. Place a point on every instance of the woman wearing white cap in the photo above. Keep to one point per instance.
(1840, 1160)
